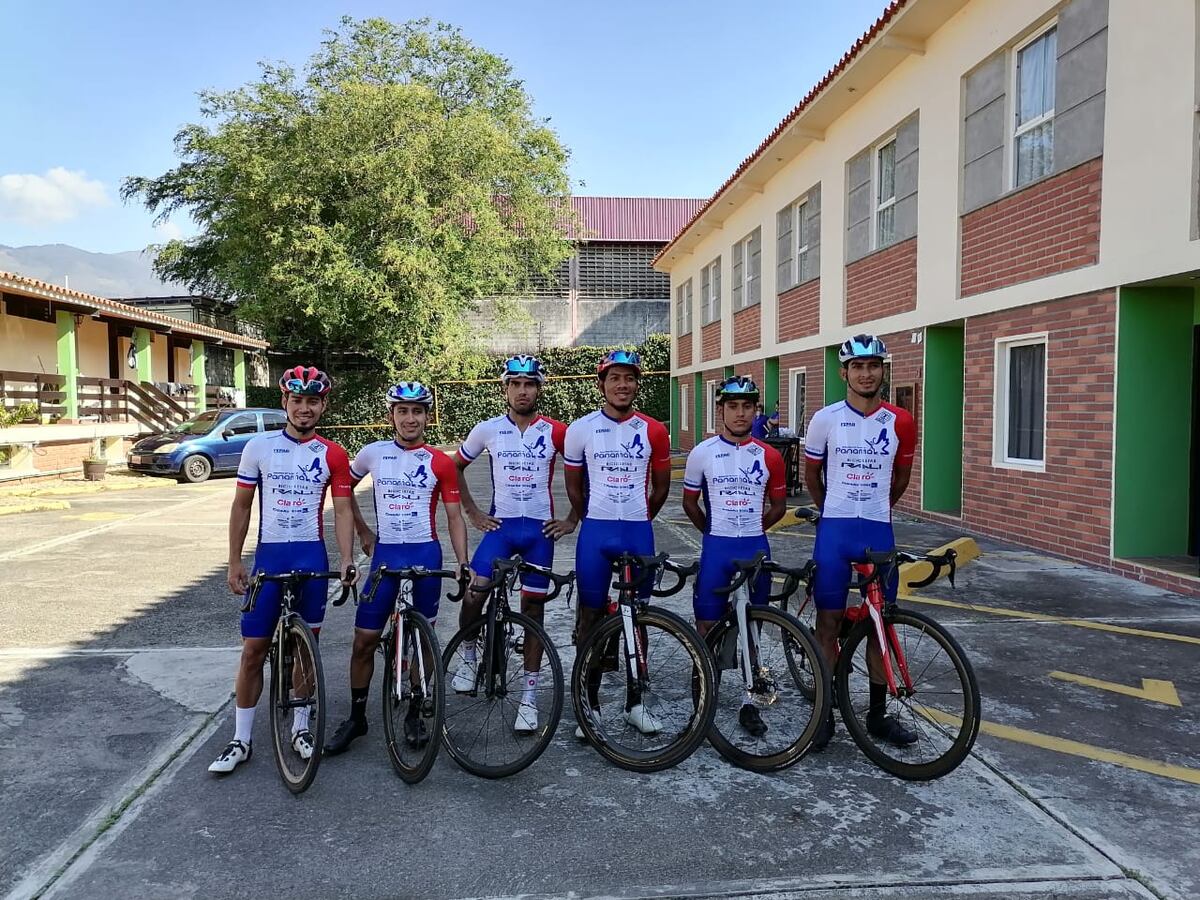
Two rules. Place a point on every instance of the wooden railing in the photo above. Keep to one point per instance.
(102, 399)
(46, 392)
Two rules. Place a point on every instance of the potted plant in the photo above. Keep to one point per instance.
(94, 468)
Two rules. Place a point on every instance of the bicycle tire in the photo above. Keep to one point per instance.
(300, 654)
(808, 704)
(695, 693)
(947, 734)
(413, 762)
(514, 750)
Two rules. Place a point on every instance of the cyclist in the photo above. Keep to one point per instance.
(858, 460)
(744, 489)
(408, 477)
(618, 475)
(522, 445)
(292, 470)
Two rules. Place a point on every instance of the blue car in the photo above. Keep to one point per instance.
(209, 442)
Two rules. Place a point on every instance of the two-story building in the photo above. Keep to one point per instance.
(1007, 192)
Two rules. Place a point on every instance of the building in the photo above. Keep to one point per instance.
(1007, 192)
(607, 292)
(91, 374)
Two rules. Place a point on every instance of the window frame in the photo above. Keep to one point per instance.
(710, 292)
(743, 290)
(1002, 396)
(876, 182)
(1014, 130)
(683, 308)
(683, 406)
(800, 243)
(796, 422)
(710, 408)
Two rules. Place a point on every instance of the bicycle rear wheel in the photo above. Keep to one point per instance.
(297, 689)
(509, 716)
(414, 703)
(676, 692)
(942, 708)
(790, 691)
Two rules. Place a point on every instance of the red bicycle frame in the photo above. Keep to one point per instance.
(885, 632)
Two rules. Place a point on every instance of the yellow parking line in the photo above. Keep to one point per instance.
(1047, 617)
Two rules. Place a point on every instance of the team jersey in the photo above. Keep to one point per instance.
(735, 480)
(522, 464)
(617, 457)
(292, 478)
(406, 484)
(859, 453)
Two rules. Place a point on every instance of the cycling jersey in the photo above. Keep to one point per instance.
(735, 480)
(617, 457)
(859, 453)
(292, 478)
(406, 487)
(522, 464)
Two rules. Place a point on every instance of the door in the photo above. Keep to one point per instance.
(1194, 533)
(236, 432)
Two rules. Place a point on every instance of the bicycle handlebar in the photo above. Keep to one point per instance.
(261, 578)
(413, 573)
(793, 576)
(648, 567)
(512, 568)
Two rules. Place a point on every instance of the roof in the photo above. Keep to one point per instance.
(656, 219)
(892, 10)
(113, 309)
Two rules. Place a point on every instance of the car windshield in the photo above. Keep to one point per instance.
(201, 424)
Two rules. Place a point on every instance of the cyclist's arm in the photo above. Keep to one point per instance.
(693, 485)
(574, 460)
(557, 528)
(344, 509)
(693, 510)
(478, 517)
(906, 434)
(660, 487)
(660, 466)
(900, 479)
(816, 445)
(448, 489)
(360, 467)
(576, 491)
(239, 526)
(775, 495)
(814, 480)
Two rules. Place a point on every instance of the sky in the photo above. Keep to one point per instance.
(653, 98)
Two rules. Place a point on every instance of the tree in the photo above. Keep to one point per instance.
(366, 206)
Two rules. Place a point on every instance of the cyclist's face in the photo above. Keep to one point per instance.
(304, 410)
(619, 387)
(522, 395)
(738, 414)
(864, 376)
(409, 420)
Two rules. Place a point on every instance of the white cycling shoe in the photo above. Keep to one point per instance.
(234, 754)
(464, 678)
(643, 720)
(527, 719)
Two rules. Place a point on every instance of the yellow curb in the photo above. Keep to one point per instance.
(789, 519)
(676, 474)
(966, 548)
(40, 506)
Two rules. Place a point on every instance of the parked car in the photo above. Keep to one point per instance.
(209, 442)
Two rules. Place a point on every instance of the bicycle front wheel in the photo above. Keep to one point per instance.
(414, 696)
(506, 695)
(941, 710)
(786, 701)
(297, 700)
(658, 720)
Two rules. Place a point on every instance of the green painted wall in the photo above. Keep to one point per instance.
(942, 410)
(68, 361)
(199, 376)
(141, 343)
(698, 407)
(770, 386)
(674, 412)
(729, 373)
(835, 388)
(1153, 428)
(239, 374)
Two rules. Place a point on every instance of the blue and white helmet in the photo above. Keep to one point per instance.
(737, 386)
(862, 346)
(409, 392)
(523, 366)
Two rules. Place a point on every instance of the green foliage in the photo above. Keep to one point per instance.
(366, 204)
(24, 412)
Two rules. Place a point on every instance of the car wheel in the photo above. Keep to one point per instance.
(195, 468)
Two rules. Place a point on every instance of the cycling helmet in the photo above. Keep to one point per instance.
(738, 386)
(409, 392)
(522, 366)
(620, 358)
(307, 380)
(862, 346)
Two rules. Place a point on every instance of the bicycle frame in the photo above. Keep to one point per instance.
(885, 634)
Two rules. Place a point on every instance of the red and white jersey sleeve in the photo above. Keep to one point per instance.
(735, 481)
(406, 485)
(617, 458)
(860, 454)
(292, 478)
(522, 464)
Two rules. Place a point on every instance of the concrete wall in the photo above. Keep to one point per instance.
(27, 345)
(598, 323)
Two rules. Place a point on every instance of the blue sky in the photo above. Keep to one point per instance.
(653, 98)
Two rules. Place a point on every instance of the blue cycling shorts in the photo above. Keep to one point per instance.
(601, 541)
(276, 559)
(839, 543)
(523, 536)
(716, 571)
(373, 614)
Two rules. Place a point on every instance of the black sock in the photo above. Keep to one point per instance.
(878, 701)
(358, 703)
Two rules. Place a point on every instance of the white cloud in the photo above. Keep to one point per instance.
(168, 231)
(57, 196)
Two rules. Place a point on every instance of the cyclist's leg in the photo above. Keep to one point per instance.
(309, 556)
(716, 571)
(537, 549)
(832, 581)
(492, 546)
(593, 574)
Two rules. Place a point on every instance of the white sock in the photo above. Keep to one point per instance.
(300, 719)
(243, 724)
(531, 679)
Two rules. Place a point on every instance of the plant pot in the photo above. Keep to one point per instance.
(93, 469)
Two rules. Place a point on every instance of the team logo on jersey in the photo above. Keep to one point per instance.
(538, 448)
(635, 448)
(755, 473)
(754, 450)
(636, 424)
(880, 444)
(884, 416)
(312, 473)
(419, 478)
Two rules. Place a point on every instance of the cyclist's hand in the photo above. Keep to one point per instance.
(367, 538)
(556, 528)
(238, 580)
(465, 575)
(483, 521)
(349, 574)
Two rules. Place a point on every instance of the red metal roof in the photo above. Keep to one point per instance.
(634, 218)
(848, 57)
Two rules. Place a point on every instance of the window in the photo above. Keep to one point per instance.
(245, 423)
(274, 421)
(885, 193)
(710, 292)
(747, 270)
(683, 308)
(710, 416)
(797, 401)
(1021, 402)
(683, 407)
(1033, 138)
(791, 245)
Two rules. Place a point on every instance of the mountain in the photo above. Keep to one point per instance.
(127, 274)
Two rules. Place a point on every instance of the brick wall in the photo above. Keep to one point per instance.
(799, 311)
(882, 284)
(813, 361)
(683, 350)
(54, 456)
(1066, 509)
(710, 341)
(747, 333)
(1049, 227)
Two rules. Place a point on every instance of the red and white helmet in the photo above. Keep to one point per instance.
(307, 380)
